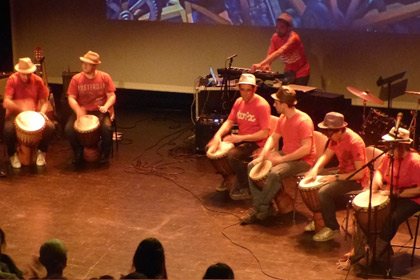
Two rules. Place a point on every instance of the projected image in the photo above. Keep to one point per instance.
(398, 16)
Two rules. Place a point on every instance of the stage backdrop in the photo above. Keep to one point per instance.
(167, 56)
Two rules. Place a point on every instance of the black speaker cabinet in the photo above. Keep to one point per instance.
(205, 129)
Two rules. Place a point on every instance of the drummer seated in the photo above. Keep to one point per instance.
(24, 91)
(405, 194)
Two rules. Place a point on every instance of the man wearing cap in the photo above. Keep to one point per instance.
(251, 113)
(286, 45)
(91, 92)
(25, 92)
(406, 193)
(297, 155)
(350, 150)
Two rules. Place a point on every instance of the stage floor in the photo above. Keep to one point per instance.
(154, 187)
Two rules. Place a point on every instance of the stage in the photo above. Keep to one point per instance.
(156, 187)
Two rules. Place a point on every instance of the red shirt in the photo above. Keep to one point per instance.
(294, 130)
(34, 90)
(91, 93)
(293, 53)
(251, 117)
(406, 172)
(348, 150)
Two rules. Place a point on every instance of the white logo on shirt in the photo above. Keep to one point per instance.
(246, 116)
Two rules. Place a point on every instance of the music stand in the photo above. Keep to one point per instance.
(388, 81)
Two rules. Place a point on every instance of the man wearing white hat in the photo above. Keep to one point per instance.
(252, 114)
(350, 150)
(406, 194)
(24, 91)
(286, 45)
(91, 92)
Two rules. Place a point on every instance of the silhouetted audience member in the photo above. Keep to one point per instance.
(53, 256)
(8, 269)
(149, 261)
(103, 277)
(219, 271)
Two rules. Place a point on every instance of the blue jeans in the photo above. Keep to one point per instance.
(261, 198)
(328, 195)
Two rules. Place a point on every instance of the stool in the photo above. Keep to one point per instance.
(414, 247)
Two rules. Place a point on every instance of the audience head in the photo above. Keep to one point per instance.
(219, 271)
(149, 259)
(2, 239)
(53, 255)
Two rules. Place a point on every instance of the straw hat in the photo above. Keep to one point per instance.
(25, 66)
(91, 58)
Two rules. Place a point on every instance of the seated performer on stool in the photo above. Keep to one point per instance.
(405, 197)
(24, 92)
(350, 150)
(252, 114)
(286, 45)
(297, 155)
(91, 92)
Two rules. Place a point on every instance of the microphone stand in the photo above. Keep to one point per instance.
(369, 233)
(225, 83)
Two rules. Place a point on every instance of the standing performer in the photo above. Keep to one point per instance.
(286, 45)
(24, 92)
(91, 92)
(252, 114)
(350, 150)
(297, 155)
(406, 196)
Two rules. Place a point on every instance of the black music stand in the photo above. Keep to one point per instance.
(393, 90)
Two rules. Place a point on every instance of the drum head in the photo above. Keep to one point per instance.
(260, 170)
(305, 185)
(221, 150)
(362, 200)
(86, 123)
(30, 121)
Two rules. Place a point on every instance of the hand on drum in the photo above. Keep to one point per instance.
(81, 112)
(233, 138)
(327, 179)
(274, 157)
(310, 176)
(214, 143)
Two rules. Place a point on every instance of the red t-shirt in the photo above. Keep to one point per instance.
(251, 117)
(348, 150)
(91, 93)
(34, 90)
(294, 130)
(406, 172)
(293, 55)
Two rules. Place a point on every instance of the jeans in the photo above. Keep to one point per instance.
(238, 158)
(10, 135)
(261, 198)
(328, 195)
(106, 133)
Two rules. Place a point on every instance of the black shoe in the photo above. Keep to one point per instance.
(78, 159)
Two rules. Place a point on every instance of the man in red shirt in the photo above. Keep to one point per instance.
(252, 114)
(350, 150)
(286, 45)
(297, 155)
(24, 92)
(91, 92)
(406, 195)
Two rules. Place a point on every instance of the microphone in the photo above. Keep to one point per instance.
(398, 123)
(232, 56)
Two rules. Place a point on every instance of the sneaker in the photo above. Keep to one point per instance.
(222, 187)
(265, 214)
(310, 226)
(250, 217)
(326, 234)
(14, 161)
(40, 159)
(240, 194)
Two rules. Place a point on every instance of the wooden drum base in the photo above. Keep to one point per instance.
(319, 221)
(27, 155)
(91, 154)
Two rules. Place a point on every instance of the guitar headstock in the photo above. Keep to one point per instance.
(39, 57)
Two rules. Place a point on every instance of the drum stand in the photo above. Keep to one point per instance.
(369, 222)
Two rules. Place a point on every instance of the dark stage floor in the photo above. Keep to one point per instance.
(102, 213)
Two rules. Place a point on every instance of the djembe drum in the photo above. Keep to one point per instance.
(29, 127)
(309, 192)
(380, 210)
(88, 134)
(218, 158)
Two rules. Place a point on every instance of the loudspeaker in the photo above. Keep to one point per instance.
(205, 129)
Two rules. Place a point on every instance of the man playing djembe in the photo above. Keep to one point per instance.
(25, 92)
(91, 92)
